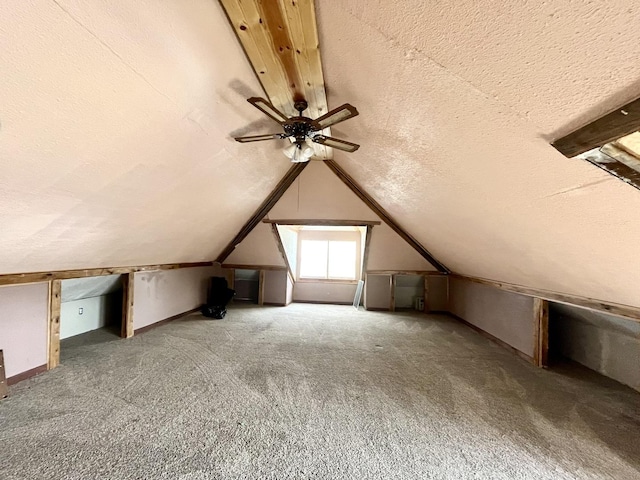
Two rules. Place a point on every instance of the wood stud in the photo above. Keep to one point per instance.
(541, 332)
(127, 327)
(55, 298)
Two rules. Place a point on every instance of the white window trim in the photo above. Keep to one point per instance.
(330, 235)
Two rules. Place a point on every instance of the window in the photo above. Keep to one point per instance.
(329, 255)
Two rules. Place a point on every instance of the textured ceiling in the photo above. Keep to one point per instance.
(115, 122)
(458, 102)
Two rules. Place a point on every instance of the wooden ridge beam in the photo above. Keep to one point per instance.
(382, 213)
(263, 209)
(280, 40)
(617, 309)
(618, 123)
(35, 277)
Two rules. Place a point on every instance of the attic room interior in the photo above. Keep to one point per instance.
(298, 239)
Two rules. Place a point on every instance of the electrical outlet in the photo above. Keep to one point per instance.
(80, 311)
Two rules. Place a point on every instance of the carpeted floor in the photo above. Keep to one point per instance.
(322, 392)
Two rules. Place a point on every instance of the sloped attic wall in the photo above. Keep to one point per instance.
(319, 194)
(258, 248)
(458, 103)
(115, 134)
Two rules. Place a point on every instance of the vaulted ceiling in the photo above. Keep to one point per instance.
(116, 121)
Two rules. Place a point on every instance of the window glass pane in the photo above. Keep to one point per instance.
(313, 258)
(342, 260)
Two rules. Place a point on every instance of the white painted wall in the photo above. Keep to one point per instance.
(23, 326)
(505, 315)
(97, 312)
(275, 287)
(607, 344)
(164, 293)
(325, 292)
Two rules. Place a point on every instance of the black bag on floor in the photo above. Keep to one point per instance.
(218, 296)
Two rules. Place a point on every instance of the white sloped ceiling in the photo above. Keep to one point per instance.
(115, 123)
(458, 103)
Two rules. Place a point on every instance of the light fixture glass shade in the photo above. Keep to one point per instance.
(290, 151)
(298, 152)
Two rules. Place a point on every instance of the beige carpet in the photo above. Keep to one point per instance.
(321, 392)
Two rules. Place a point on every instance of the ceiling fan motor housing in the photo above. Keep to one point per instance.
(299, 127)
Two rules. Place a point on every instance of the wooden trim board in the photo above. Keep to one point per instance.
(617, 309)
(55, 299)
(261, 288)
(254, 267)
(27, 374)
(618, 123)
(541, 332)
(165, 321)
(324, 222)
(35, 277)
(383, 214)
(264, 208)
(126, 330)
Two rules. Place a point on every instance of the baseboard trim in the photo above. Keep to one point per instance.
(274, 304)
(28, 374)
(165, 321)
(377, 309)
(494, 339)
(320, 302)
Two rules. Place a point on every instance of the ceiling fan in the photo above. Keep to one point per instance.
(301, 128)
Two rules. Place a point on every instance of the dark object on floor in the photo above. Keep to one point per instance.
(217, 298)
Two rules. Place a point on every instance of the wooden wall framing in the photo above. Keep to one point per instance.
(541, 332)
(127, 326)
(626, 311)
(618, 123)
(55, 299)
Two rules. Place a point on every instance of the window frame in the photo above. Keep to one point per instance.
(328, 236)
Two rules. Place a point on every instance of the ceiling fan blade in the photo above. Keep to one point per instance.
(337, 115)
(268, 109)
(259, 138)
(336, 143)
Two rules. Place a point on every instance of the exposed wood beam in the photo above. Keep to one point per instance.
(55, 299)
(622, 121)
(254, 267)
(35, 277)
(324, 222)
(617, 309)
(127, 330)
(541, 332)
(280, 40)
(276, 234)
(382, 213)
(263, 209)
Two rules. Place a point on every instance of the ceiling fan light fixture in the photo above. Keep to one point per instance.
(298, 152)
